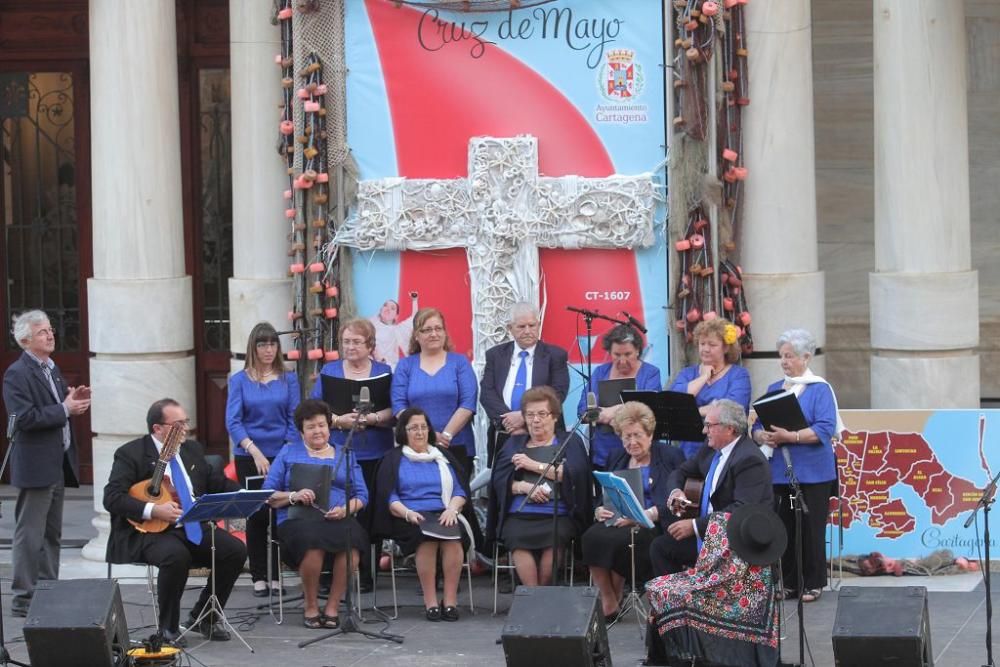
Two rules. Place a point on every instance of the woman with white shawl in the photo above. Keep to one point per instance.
(813, 460)
(420, 500)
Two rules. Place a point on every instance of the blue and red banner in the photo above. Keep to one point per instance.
(584, 77)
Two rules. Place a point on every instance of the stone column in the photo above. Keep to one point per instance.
(140, 307)
(778, 251)
(924, 297)
(260, 289)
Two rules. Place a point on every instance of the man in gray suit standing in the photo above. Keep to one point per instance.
(43, 458)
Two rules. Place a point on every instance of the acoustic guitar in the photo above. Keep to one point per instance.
(693, 489)
(156, 489)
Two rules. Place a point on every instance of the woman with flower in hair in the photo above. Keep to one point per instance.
(717, 375)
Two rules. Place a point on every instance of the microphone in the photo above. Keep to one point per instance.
(593, 410)
(634, 322)
(295, 332)
(785, 454)
(11, 426)
(364, 401)
(583, 311)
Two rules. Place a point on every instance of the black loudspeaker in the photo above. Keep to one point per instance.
(882, 626)
(553, 626)
(76, 623)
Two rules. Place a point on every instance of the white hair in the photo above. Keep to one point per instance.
(522, 308)
(731, 414)
(802, 342)
(23, 324)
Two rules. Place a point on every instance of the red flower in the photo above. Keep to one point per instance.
(754, 569)
(744, 602)
(720, 593)
(738, 587)
(713, 529)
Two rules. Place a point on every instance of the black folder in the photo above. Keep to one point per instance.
(780, 408)
(676, 412)
(341, 394)
(609, 392)
(540, 454)
(431, 526)
(317, 478)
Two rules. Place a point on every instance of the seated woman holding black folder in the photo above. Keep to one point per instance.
(420, 500)
(716, 374)
(313, 527)
(523, 522)
(624, 344)
(606, 548)
(357, 344)
(812, 458)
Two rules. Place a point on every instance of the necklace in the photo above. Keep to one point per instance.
(315, 452)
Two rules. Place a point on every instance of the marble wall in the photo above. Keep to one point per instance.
(844, 126)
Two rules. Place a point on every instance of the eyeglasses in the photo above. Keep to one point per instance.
(186, 423)
(417, 428)
(45, 332)
(431, 330)
(711, 424)
(261, 344)
(530, 416)
(353, 342)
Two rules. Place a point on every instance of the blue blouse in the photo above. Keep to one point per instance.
(453, 386)
(419, 486)
(262, 412)
(605, 441)
(734, 385)
(280, 475)
(373, 442)
(813, 462)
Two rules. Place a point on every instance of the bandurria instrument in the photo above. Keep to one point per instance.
(156, 489)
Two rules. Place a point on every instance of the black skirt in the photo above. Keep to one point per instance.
(608, 548)
(408, 536)
(298, 537)
(534, 531)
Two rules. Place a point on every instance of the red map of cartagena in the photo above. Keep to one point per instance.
(873, 463)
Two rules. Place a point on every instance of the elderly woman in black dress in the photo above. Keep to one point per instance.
(414, 480)
(526, 527)
(307, 543)
(606, 548)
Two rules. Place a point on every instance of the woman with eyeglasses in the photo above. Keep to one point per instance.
(260, 413)
(440, 382)
(418, 493)
(606, 545)
(357, 345)
(624, 344)
(520, 516)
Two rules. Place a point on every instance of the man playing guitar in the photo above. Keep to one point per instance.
(135, 520)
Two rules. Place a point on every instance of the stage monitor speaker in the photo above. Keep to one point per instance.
(556, 626)
(882, 625)
(76, 623)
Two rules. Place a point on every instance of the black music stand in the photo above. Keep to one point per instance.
(211, 507)
(677, 414)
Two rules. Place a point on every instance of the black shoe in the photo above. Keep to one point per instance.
(434, 614)
(261, 592)
(216, 631)
(449, 613)
(171, 637)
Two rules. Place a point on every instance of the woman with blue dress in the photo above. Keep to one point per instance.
(369, 445)
(441, 383)
(813, 460)
(716, 375)
(624, 344)
(606, 548)
(418, 483)
(311, 544)
(259, 417)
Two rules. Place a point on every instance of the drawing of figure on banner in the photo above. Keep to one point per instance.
(392, 335)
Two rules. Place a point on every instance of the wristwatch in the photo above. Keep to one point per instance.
(447, 436)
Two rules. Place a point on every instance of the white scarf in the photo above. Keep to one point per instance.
(447, 484)
(798, 384)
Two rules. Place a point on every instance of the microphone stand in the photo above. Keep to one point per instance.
(800, 508)
(986, 501)
(5, 658)
(351, 622)
(554, 463)
(588, 317)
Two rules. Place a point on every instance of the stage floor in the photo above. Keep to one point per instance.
(957, 616)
